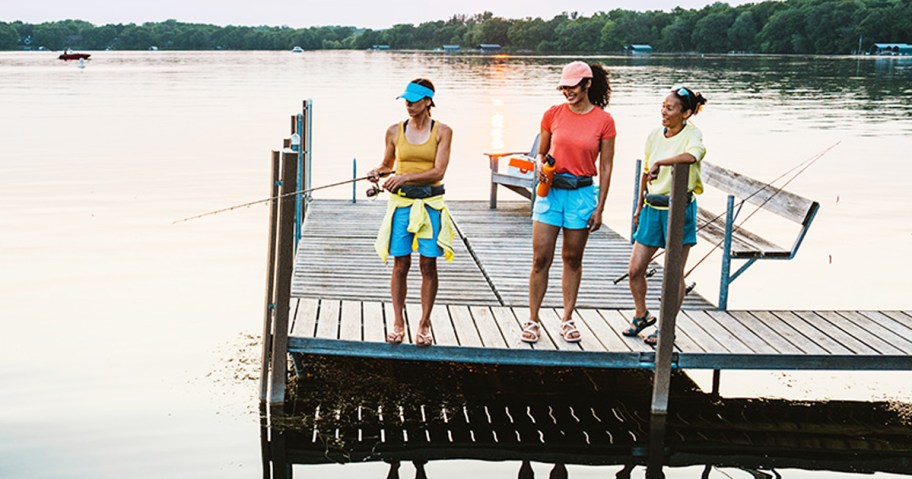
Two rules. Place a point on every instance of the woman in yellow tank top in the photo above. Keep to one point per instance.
(418, 151)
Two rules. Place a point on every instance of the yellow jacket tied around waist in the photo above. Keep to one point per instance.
(419, 224)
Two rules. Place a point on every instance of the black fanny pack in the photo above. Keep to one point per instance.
(570, 182)
(664, 200)
(418, 192)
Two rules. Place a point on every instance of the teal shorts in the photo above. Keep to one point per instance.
(401, 240)
(569, 209)
(654, 226)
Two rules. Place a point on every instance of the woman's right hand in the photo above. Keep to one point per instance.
(374, 175)
(636, 217)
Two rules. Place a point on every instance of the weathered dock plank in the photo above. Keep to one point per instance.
(336, 259)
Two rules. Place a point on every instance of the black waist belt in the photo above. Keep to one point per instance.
(420, 191)
(570, 182)
(664, 200)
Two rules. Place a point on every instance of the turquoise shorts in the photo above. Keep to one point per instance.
(569, 209)
(654, 225)
(401, 240)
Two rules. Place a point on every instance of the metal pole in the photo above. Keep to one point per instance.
(354, 183)
(638, 174)
(298, 148)
(725, 276)
(671, 288)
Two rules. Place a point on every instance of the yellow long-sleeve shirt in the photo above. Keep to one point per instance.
(419, 224)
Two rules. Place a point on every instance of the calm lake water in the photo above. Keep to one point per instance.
(127, 344)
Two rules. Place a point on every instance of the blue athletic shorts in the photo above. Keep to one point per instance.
(569, 209)
(401, 240)
(654, 225)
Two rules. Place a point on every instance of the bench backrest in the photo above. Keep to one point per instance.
(788, 205)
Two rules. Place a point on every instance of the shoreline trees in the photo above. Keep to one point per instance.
(792, 26)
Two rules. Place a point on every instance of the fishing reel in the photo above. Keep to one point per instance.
(374, 191)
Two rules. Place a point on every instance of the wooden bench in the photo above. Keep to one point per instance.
(736, 241)
(520, 183)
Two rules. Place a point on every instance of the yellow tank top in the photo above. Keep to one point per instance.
(416, 158)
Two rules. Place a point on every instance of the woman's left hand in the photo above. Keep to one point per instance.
(595, 221)
(393, 183)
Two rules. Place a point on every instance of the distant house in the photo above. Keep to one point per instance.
(380, 47)
(891, 49)
(638, 49)
(451, 48)
(489, 47)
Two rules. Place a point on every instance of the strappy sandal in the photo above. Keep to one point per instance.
(531, 332)
(568, 328)
(639, 324)
(395, 337)
(652, 339)
(423, 340)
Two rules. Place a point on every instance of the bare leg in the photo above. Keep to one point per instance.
(544, 237)
(429, 283)
(399, 288)
(639, 262)
(572, 255)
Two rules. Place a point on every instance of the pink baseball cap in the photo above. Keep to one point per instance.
(574, 73)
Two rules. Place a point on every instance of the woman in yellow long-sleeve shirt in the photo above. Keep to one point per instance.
(418, 151)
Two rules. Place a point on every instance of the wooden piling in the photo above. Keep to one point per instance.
(671, 288)
(269, 307)
(285, 251)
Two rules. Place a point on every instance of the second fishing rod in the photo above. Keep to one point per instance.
(798, 169)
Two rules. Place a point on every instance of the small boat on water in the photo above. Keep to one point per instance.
(71, 55)
(297, 50)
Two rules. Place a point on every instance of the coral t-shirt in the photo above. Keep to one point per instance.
(576, 139)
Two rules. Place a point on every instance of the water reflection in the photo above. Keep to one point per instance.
(352, 410)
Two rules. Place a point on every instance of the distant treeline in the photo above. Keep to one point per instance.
(793, 26)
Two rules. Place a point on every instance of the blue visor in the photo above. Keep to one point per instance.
(414, 92)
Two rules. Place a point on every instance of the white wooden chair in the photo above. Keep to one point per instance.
(519, 177)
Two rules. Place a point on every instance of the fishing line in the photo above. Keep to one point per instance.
(804, 165)
(264, 200)
(761, 205)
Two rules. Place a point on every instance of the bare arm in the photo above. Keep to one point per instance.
(389, 155)
(685, 158)
(606, 165)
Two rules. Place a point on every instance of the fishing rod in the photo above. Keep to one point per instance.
(370, 193)
(804, 165)
(760, 206)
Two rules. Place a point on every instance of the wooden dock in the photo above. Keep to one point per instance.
(336, 259)
(342, 306)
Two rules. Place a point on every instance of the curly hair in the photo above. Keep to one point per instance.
(599, 86)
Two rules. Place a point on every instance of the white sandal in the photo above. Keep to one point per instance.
(567, 329)
(533, 329)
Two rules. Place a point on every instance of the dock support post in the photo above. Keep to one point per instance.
(671, 288)
(354, 183)
(638, 174)
(717, 379)
(270, 305)
(284, 266)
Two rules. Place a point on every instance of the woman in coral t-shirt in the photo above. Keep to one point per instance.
(579, 134)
